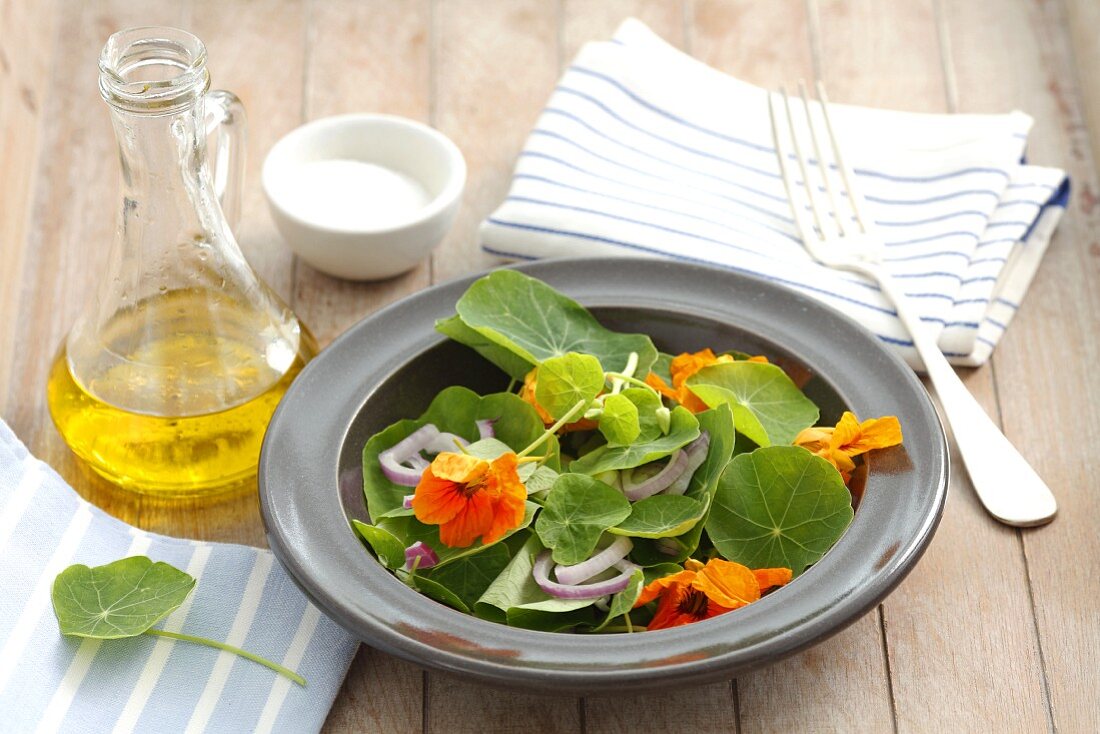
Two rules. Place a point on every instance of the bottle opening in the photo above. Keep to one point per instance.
(152, 68)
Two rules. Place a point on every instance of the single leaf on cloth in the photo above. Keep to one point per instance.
(409, 530)
(120, 599)
(661, 516)
(386, 545)
(619, 420)
(513, 365)
(577, 511)
(454, 410)
(778, 507)
(684, 429)
(767, 406)
(469, 577)
(535, 322)
(567, 380)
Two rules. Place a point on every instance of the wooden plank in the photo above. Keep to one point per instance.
(496, 66)
(366, 57)
(1082, 20)
(73, 223)
(24, 64)
(939, 641)
(363, 57)
(597, 20)
(1025, 62)
(797, 693)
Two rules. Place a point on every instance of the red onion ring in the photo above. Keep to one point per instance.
(696, 454)
(407, 501)
(407, 451)
(659, 481)
(445, 442)
(398, 473)
(420, 550)
(598, 563)
(485, 427)
(582, 591)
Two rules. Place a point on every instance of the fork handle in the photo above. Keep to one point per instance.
(1005, 483)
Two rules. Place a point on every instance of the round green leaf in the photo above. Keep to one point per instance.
(120, 599)
(683, 430)
(577, 511)
(567, 380)
(778, 507)
(619, 420)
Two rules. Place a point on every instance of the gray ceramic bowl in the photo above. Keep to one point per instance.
(391, 364)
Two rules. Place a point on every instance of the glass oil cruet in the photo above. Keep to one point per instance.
(167, 381)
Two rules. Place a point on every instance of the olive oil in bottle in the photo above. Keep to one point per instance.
(176, 405)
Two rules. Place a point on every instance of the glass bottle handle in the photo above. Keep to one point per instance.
(225, 117)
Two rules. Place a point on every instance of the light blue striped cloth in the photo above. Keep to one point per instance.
(643, 150)
(50, 683)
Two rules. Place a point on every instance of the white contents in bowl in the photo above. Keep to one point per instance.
(349, 194)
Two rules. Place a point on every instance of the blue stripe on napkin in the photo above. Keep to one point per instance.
(642, 150)
(50, 683)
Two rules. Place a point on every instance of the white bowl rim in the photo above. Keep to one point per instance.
(452, 188)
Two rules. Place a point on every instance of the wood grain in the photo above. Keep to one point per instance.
(1053, 421)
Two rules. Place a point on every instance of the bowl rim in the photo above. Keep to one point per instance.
(450, 192)
(391, 617)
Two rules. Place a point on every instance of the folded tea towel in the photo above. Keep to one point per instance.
(150, 684)
(643, 150)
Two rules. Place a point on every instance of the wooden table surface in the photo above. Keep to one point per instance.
(997, 629)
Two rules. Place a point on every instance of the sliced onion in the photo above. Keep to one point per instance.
(407, 501)
(417, 461)
(600, 562)
(696, 454)
(581, 591)
(445, 442)
(659, 481)
(398, 473)
(420, 550)
(485, 428)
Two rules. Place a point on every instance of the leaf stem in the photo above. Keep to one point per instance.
(554, 428)
(633, 381)
(631, 366)
(229, 648)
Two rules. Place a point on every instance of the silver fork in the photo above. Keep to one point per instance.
(1006, 484)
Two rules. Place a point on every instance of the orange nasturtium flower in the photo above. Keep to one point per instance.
(700, 592)
(850, 438)
(530, 382)
(467, 497)
(682, 367)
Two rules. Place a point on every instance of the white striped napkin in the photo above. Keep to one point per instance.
(50, 683)
(643, 150)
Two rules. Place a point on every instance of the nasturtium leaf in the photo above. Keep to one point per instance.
(623, 602)
(684, 429)
(513, 365)
(539, 480)
(567, 380)
(718, 423)
(552, 620)
(767, 406)
(409, 530)
(435, 590)
(576, 512)
(470, 576)
(515, 588)
(778, 507)
(486, 448)
(535, 322)
(648, 403)
(385, 544)
(619, 420)
(120, 599)
(453, 410)
(661, 516)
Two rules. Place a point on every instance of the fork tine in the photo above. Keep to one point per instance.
(854, 196)
(811, 194)
(822, 163)
(805, 228)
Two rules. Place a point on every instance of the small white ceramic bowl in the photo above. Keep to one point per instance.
(359, 221)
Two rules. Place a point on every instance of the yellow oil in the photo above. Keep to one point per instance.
(177, 402)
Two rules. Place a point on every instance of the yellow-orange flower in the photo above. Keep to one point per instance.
(680, 369)
(469, 497)
(850, 438)
(530, 382)
(700, 592)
